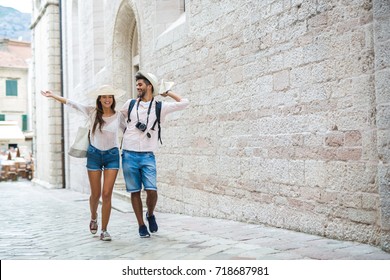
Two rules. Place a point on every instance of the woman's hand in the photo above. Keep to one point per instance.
(47, 93)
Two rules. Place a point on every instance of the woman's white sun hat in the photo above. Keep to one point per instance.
(106, 90)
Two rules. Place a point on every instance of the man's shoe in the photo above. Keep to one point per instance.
(105, 236)
(143, 231)
(153, 227)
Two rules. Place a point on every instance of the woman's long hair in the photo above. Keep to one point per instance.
(99, 113)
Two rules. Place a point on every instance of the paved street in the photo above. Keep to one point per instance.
(39, 223)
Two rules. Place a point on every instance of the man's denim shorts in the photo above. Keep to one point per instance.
(100, 160)
(139, 168)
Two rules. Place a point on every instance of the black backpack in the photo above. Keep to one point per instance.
(158, 113)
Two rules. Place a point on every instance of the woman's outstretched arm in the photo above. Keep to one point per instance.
(49, 93)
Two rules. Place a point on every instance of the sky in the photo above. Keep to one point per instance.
(23, 6)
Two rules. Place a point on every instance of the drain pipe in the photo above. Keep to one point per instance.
(62, 94)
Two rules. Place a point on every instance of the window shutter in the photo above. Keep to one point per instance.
(11, 87)
(24, 122)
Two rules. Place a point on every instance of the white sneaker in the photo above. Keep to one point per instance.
(105, 236)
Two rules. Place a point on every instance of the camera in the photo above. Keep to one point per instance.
(141, 126)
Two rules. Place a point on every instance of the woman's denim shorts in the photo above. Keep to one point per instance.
(100, 160)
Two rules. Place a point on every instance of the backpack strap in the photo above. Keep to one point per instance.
(158, 114)
(131, 105)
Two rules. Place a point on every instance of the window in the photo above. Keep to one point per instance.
(11, 87)
(37, 4)
(2, 117)
(24, 122)
(98, 35)
(167, 12)
(75, 43)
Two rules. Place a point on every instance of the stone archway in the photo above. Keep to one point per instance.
(124, 37)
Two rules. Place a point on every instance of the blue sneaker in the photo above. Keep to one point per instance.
(143, 231)
(153, 227)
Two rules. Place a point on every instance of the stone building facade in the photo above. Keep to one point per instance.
(289, 122)
(15, 109)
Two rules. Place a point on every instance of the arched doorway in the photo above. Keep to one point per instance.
(125, 59)
(125, 49)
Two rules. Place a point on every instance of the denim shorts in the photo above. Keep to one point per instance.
(139, 168)
(100, 160)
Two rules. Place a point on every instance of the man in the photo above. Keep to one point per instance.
(140, 140)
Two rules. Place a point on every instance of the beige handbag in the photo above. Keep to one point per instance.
(81, 142)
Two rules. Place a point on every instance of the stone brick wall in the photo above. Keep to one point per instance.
(381, 36)
(288, 122)
(47, 114)
(282, 127)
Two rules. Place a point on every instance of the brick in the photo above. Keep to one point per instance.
(334, 139)
(383, 85)
(353, 138)
(349, 153)
(362, 216)
(370, 201)
(381, 9)
(281, 80)
(329, 197)
(383, 117)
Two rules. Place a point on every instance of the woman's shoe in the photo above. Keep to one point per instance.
(105, 236)
(93, 226)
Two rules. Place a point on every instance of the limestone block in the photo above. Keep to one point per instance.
(381, 9)
(346, 230)
(382, 56)
(353, 138)
(281, 80)
(383, 117)
(382, 86)
(384, 145)
(370, 201)
(334, 139)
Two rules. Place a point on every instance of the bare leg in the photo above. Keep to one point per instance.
(108, 186)
(137, 207)
(95, 183)
(151, 201)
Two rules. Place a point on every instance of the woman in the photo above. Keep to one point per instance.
(103, 152)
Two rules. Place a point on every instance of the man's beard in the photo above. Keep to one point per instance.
(141, 94)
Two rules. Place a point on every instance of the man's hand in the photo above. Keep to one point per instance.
(165, 94)
(172, 95)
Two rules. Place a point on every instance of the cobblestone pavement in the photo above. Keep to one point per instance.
(52, 224)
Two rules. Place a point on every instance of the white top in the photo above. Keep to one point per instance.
(108, 137)
(138, 141)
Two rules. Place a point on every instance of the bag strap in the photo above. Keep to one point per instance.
(131, 106)
(89, 124)
(158, 114)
